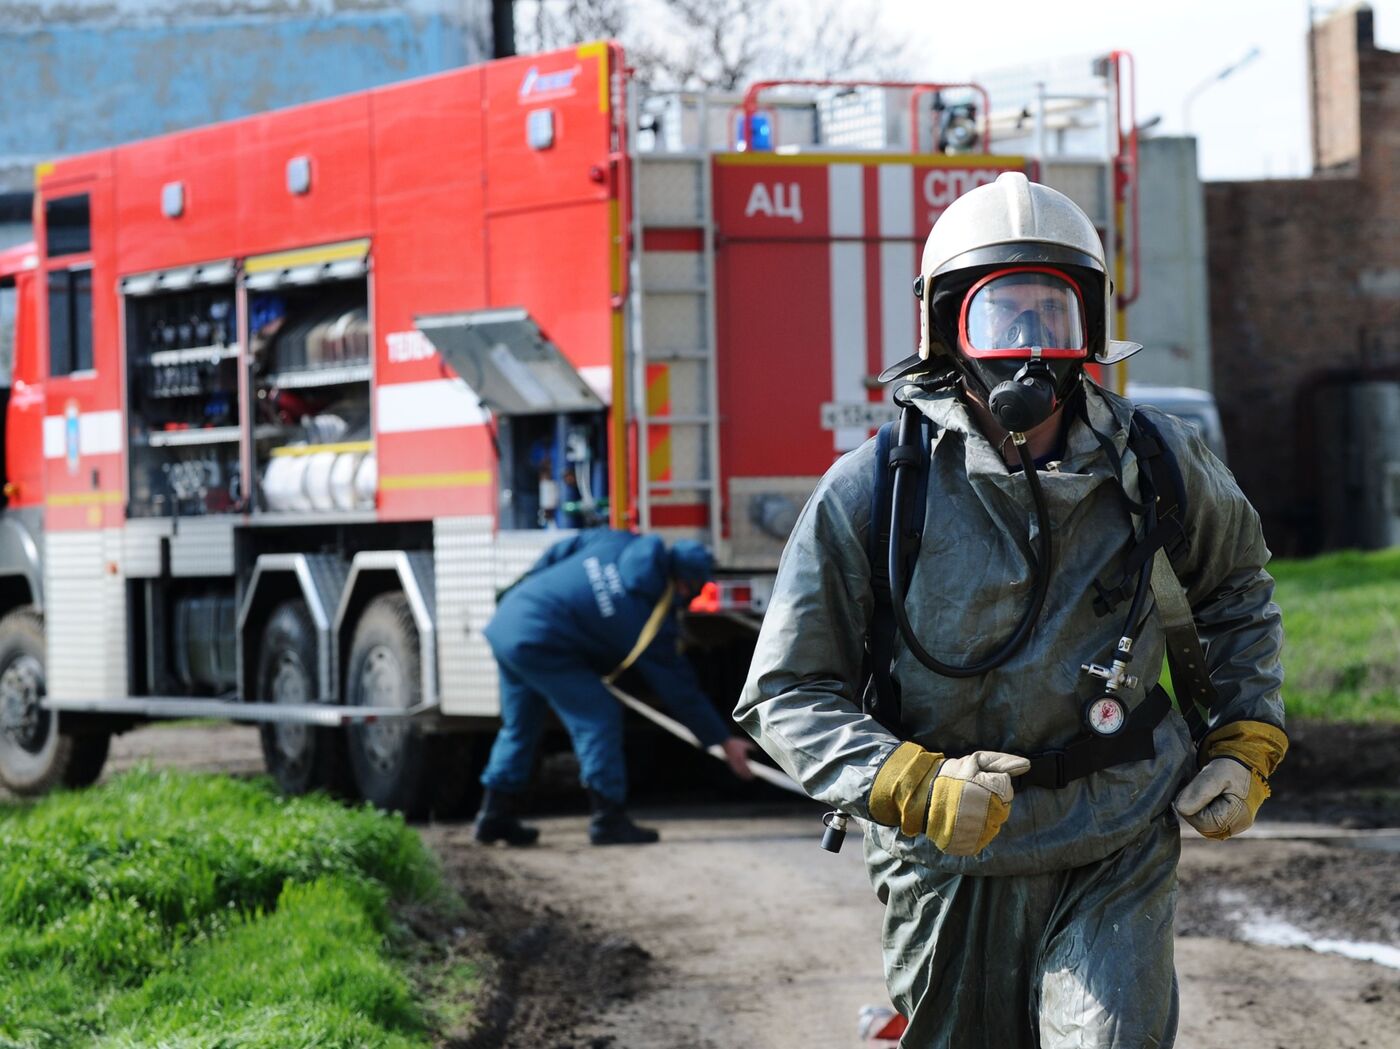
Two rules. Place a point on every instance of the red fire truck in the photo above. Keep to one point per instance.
(294, 396)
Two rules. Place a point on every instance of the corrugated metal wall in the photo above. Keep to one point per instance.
(85, 614)
(82, 74)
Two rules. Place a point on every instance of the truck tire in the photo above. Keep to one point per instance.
(388, 757)
(36, 754)
(300, 758)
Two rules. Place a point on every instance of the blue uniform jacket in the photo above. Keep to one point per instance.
(585, 602)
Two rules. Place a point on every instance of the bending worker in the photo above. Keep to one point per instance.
(1018, 772)
(593, 606)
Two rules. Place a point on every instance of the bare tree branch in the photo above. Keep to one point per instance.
(696, 44)
(543, 25)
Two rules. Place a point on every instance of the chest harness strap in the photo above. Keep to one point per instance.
(1087, 753)
(650, 629)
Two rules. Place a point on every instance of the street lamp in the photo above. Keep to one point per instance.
(1230, 70)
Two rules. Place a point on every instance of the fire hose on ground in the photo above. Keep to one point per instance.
(769, 775)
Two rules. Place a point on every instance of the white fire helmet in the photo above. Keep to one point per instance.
(1013, 222)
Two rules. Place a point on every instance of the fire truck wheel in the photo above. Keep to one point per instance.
(388, 756)
(299, 757)
(36, 755)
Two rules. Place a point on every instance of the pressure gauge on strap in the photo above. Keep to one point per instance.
(1105, 715)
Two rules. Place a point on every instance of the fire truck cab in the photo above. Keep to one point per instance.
(293, 397)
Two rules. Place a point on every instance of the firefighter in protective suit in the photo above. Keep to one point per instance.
(1029, 897)
(594, 605)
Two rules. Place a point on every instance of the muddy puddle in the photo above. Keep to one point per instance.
(1326, 889)
(1275, 932)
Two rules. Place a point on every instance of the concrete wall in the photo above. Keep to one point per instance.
(1305, 288)
(85, 74)
(1170, 317)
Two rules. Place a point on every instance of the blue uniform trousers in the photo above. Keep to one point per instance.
(532, 680)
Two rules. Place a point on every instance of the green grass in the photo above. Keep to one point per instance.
(1341, 621)
(169, 909)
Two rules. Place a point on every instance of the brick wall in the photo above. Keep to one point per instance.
(1283, 310)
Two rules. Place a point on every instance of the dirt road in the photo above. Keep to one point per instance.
(213, 747)
(737, 930)
(741, 932)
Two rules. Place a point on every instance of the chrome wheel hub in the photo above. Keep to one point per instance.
(382, 685)
(290, 685)
(21, 689)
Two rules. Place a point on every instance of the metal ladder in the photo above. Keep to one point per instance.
(673, 344)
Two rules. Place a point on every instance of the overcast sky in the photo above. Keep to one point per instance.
(1253, 124)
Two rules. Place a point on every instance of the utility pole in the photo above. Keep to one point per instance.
(502, 28)
(1313, 114)
(1234, 67)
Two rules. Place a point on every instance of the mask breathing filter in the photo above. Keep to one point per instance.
(1026, 400)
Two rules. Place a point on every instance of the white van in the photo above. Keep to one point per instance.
(1196, 407)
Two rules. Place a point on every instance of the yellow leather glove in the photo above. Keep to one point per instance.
(959, 803)
(1224, 797)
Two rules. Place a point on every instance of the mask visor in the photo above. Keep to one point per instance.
(1024, 312)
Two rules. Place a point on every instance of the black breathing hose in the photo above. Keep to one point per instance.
(909, 426)
(1144, 583)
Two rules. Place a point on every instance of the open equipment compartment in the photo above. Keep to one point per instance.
(182, 383)
(553, 470)
(311, 364)
(551, 433)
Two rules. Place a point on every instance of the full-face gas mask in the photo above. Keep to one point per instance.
(1022, 339)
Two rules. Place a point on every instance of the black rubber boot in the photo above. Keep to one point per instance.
(496, 821)
(610, 825)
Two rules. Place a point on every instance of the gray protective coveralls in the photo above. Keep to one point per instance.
(1059, 932)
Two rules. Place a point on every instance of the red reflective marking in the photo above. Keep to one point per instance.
(874, 315)
(672, 240)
